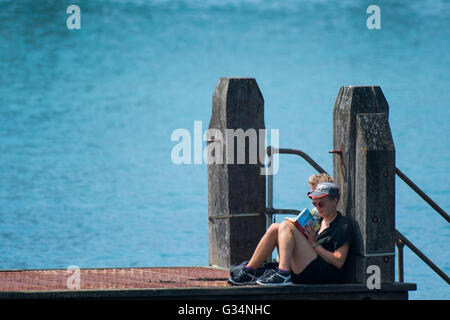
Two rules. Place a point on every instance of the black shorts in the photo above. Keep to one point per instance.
(318, 271)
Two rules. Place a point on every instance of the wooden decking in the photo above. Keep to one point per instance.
(170, 283)
(113, 278)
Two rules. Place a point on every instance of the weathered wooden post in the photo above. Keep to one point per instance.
(364, 169)
(375, 195)
(236, 187)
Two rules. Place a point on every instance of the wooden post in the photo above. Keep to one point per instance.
(350, 102)
(236, 190)
(375, 195)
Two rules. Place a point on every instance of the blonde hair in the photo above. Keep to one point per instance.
(315, 179)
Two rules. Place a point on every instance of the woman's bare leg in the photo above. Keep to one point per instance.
(294, 249)
(265, 246)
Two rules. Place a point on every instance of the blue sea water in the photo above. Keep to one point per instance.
(86, 116)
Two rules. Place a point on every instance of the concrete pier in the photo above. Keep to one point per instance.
(172, 283)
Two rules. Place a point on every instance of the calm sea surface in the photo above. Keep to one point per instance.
(86, 116)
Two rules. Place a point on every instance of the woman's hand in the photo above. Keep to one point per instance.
(310, 234)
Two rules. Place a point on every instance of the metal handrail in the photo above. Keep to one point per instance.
(315, 165)
(270, 211)
(427, 199)
(400, 240)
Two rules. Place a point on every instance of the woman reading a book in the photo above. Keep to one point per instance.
(308, 257)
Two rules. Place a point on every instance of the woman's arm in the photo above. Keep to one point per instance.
(336, 258)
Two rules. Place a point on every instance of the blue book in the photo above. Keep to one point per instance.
(304, 218)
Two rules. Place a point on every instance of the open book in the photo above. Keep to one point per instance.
(305, 217)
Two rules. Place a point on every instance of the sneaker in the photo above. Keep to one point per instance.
(268, 273)
(279, 278)
(243, 277)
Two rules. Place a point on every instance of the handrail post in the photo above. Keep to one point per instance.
(400, 244)
(269, 210)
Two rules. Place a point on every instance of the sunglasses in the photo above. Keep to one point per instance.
(319, 204)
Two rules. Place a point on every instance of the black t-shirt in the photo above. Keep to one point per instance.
(338, 233)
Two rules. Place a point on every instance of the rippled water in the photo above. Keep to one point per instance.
(86, 117)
